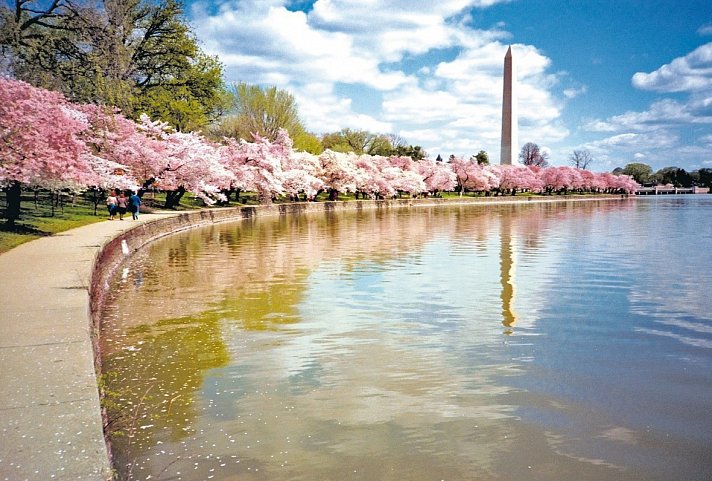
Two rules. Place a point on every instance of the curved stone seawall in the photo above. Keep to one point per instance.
(111, 255)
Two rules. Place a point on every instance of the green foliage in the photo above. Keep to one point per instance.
(641, 173)
(364, 142)
(415, 152)
(482, 158)
(138, 55)
(187, 102)
(381, 145)
(308, 142)
(673, 175)
(702, 177)
(258, 110)
(356, 141)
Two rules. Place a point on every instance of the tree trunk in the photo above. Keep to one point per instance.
(173, 198)
(265, 198)
(96, 197)
(14, 197)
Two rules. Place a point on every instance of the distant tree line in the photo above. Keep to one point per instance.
(532, 155)
(676, 176)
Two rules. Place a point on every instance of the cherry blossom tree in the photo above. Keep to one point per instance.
(474, 176)
(370, 180)
(233, 158)
(257, 165)
(560, 179)
(437, 176)
(192, 164)
(48, 142)
(39, 142)
(408, 178)
(410, 182)
(140, 148)
(529, 179)
(598, 182)
(339, 172)
(120, 153)
(554, 179)
(620, 183)
(516, 177)
(300, 171)
(587, 180)
(301, 174)
(508, 176)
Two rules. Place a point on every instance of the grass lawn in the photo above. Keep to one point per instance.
(42, 216)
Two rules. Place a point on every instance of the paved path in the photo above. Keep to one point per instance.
(50, 423)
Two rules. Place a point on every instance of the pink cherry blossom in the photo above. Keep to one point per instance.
(40, 137)
(437, 176)
(339, 172)
(473, 176)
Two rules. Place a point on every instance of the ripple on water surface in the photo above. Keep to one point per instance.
(557, 341)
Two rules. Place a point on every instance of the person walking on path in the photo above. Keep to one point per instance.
(134, 205)
(111, 202)
(121, 204)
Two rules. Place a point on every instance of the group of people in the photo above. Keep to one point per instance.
(121, 204)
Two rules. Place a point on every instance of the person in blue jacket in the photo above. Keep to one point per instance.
(134, 205)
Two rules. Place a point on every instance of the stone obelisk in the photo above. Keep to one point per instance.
(508, 151)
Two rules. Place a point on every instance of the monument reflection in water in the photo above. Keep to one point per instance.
(394, 345)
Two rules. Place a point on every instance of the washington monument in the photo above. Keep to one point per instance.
(508, 151)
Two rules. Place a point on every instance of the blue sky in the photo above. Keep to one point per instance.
(628, 80)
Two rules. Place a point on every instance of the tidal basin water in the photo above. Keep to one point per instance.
(560, 341)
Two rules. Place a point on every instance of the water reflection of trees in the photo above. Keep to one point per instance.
(193, 270)
(175, 296)
(151, 378)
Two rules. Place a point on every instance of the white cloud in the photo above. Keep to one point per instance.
(662, 114)
(597, 125)
(662, 133)
(340, 50)
(655, 148)
(256, 43)
(705, 29)
(332, 112)
(691, 73)
(571, 93)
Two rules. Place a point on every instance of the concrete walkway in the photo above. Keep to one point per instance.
(50, 419)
